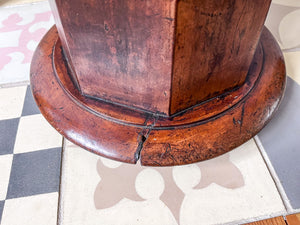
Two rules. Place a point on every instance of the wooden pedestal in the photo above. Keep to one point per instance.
(170, 83)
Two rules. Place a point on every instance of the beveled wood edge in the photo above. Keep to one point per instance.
(228, 130)
(130, 143)
(96, 134)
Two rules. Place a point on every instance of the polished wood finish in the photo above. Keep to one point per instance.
(293, 219)
(273, 221)
(121, 51)
(159, 56)
(214, 46)
(232, 127)
(125, 134)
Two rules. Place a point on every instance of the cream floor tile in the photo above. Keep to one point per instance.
(233, 187)
(5, 167)
(32, 210)
(35, 133)
(11, 103)
(293, 3)
(77, 201)
(256, 199)
(289, 30)
(292, 63)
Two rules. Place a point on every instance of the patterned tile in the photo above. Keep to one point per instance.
(11, 102)
(282, 21)
(33, 210)
(30, 107)
(294, 3)
(5, 167)
(21, 28)
(280, 139)
(8, 132)
(34, 173)
(35, 133)
(235, 186)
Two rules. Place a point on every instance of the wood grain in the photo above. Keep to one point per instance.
(77, 124)
(293, 219)
(120, 51)
(219, 134)
(127, 135)
(162, 57)
(273, 221)
(165, 82)
(214, 46)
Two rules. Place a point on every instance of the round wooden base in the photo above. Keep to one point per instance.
(121, 133)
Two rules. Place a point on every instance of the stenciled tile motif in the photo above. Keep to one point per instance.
(294, 3)
(232, 187)
(21, 29)
(126, 176)
(283, 22)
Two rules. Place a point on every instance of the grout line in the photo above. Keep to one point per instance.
(253, 219)
(16, 84)
(291, 50)
(59, 207)
(284, 198)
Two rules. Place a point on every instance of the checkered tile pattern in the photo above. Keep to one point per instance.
(237, 187)
(30, 159)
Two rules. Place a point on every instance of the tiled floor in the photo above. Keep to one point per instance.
(30, 161)
(234, 187)
(258, 180)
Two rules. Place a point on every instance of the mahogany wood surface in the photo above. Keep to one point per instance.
(121, 51)
(214, 46)
(202, 132)
(293, 219)
(159, 56)
(229, 129)
(273, 221)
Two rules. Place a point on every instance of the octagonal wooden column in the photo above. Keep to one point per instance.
(168, 82)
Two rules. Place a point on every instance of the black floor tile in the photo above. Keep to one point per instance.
(35, 173)
(1, 209)
(8, 133)
(281, 141)
(30, 107)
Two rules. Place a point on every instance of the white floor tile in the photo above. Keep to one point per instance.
(5, 167)
(35, 133)
(11, 103)
(32, 210)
